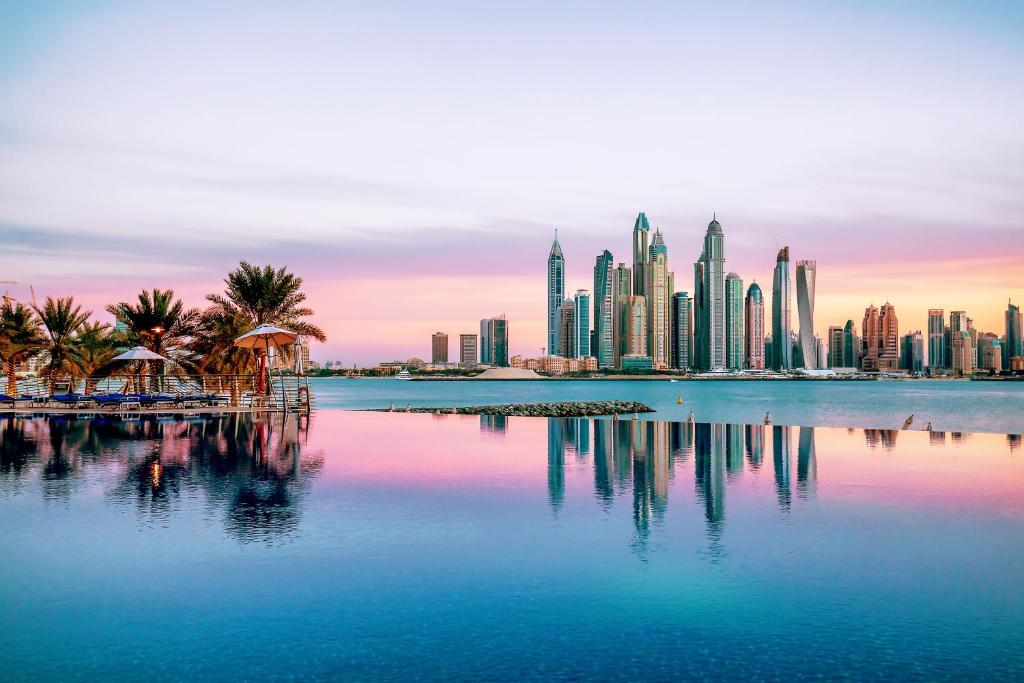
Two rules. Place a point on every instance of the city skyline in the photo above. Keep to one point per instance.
(455, 168)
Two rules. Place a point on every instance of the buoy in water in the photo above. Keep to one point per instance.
(679, 400)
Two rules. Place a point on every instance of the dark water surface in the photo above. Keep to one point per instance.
(976, 406)
(377, 546)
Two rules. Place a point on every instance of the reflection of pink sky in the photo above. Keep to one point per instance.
(440, 452)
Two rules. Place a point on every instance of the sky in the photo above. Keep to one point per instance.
(411, 161)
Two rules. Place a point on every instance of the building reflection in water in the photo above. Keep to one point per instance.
(806, 466)
(709, 476)
(886, 438)
(556, 462)
(781, 454)
(252, 469)
(1013, 441)
(755, 445)
(493, 425)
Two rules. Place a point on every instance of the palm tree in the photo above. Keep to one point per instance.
(263, 296)
(20, 339)
(158, 322)
(94, 347)
(61, 319)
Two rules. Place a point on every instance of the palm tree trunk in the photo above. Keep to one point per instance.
(12, 378)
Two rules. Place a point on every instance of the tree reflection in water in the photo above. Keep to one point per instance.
(249, 469)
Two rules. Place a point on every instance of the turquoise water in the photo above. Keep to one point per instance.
(369, 546)
(949, 405)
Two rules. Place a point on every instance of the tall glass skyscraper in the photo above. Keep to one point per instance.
(659, 304)
(851, 345)
(806, 273)
(621, 293)
(582, 314)
(556, 294)
(782, 351)
(682, 322)
(494, 341)
(937, 339)
(753, 334)
(709, 299)
(733, 321)
(603, 315)
(641, 254)
(1014, 338)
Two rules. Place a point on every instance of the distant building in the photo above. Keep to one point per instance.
(494, 341)
(871, 338)
(621, 294)
(733, 322)
(556, 293)
(682, 323)
(836, 347)
(468, 350)
(851, 345)
(782, 358)
(659, 284)
(937, 339)
(753, 336)
(439, 348)
(641, 254)
(709, 301)
(990, 352)
(912, 352)
(581, 315)
(1014, 338)
(821, 361)
(635, 362)
(567, 330)
(637, 326)
(963, 358)
(604, 317)
(555, 365)
(889, 357)
(806, 275)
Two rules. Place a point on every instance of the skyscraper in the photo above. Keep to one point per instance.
(1014, 335)
(637, 326)
(990, 352)
(621, 293)
(439, 348)
(567, 329)
(709, 299)
(682, 333)
(659, 304)
(641, 254)
(806, 274)
(782, 352)
(556, 293)
(494, 341)
(851, 345)
(936, 339)
(733, 322)
(836, 350)
(963, 353)
(753, 344)
(603, 312)
(889, 356)
(871, 334)
(467, 349)
(697, 359)
(582, 315)
(912, 352)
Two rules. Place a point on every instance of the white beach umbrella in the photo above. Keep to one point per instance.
(262, 338)
(139, 353)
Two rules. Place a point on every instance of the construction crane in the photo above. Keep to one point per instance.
(6, 295)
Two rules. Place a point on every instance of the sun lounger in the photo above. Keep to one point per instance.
(4, 398)
(69, 400)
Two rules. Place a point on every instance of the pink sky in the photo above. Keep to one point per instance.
(411, 162)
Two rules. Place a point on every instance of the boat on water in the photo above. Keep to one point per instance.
(403, 374)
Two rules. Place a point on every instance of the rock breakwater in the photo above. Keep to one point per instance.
(561, 409)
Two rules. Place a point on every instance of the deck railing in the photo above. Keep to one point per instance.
(282, 392)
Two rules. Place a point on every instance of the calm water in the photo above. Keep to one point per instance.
(374, 546)
(959, 404)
